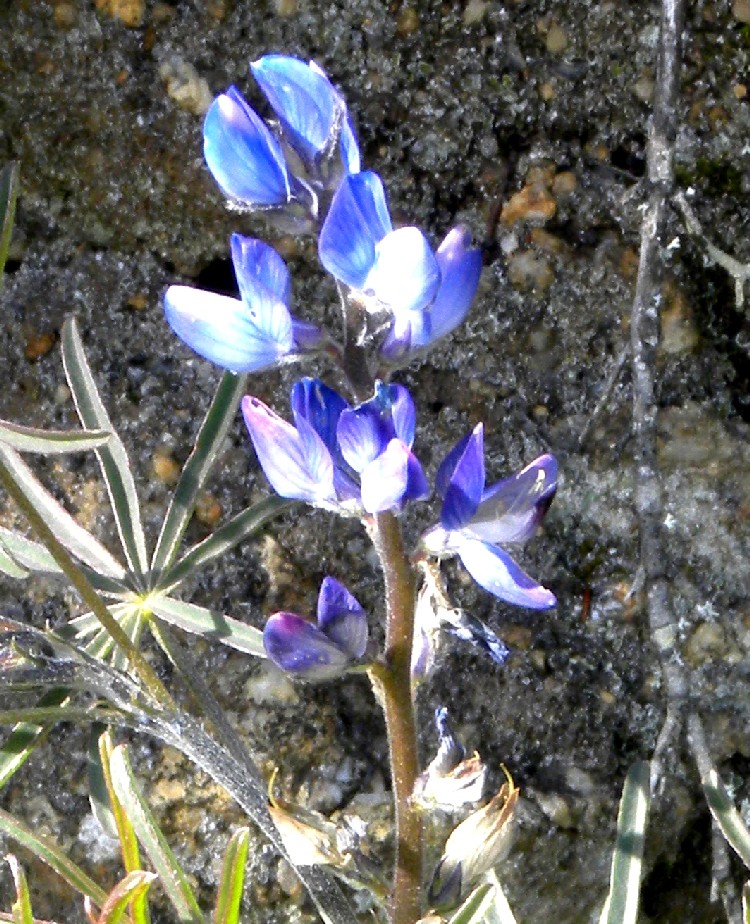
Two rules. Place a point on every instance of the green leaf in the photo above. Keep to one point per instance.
(203, 622)
(621, 905)
(50, 442)
(101, 807)
(21, 908)
(487, 904)
(130, 889)
(113, 458)
(67, 532)
(227, 910)
(9, 566)
(746, 903)
(22, 740)
(226, 537)
(727, 817)
(198, 467)
(53, 855)
(8, 195)
(131, 858)
(173, 879)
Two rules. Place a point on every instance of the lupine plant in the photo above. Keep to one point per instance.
(348, 449)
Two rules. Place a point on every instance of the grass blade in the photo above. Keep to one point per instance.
(487, 904)
(65, 529)
(128, 890)
(50, 442)
(198, 467)
(113, 458)
(727, 817)
(131, 857)
(8, 195)
(198, 620)
(226, 537)
(53, 855)
(621, 905)
(9, 566)
(22, 740)
(173, 879)
(746, 903)
(21, 908)
(227, 910)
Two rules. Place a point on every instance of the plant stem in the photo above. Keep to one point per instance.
(395, 683)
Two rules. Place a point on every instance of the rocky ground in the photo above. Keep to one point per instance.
(546, 104)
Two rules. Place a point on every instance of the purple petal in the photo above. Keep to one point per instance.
(405, 275)
(242, 154)
(321, 407)
(341, 617)
(460, 269)
(461, 480)
(393, 478)
(226, 332)
(307, 337)
(512, 509)
(357, 220)
(300, 648)
(362, 436)
(296, 462)
(495, 570)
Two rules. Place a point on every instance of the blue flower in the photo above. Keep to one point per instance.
(318, 458)
(474, 519)
(244, 157)
(428, 294)
(312, 113)
(375, 440)
(248, 334)
(324, 651)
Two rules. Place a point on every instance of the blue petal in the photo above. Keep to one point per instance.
(321, 407)
(512, 509)
(300, 648)
(242, 154)
(260, 270)
(307, 337)
(306, 103)
(460, 269)
(461, 480)
(222, 329)
(402, 412)
(341, 617)
(296, 462)
(394, 477)
(357, 220)
(405, 275)
(349, 148)
(495, 570)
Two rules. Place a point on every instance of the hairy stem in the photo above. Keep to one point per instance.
(395, 687)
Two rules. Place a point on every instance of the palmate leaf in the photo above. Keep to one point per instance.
(50, 442)
(208, 444)
(173, 878)
(200, 621)
(69, 533)
(113, 458)
(8, 194)
(621, 905)
(226, 537)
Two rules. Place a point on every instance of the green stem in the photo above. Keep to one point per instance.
(395, 686)
(89, 596)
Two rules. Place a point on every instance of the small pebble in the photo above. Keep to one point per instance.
(707, 643)
(207, 509)
(474, 11)
(64, 15)
(165, 467)
(644, 88)
(529, 272)
(740, 91)
(557, 40)
(741, 10)
(286, 8)
(38, 344)
(532, 203)
(190, 91)
(407, 22)
(129, 12)
(564, 184)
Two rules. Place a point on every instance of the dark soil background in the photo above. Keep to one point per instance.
(455, 104)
